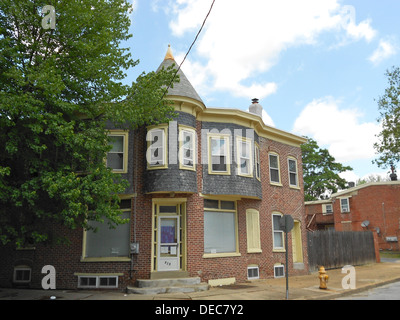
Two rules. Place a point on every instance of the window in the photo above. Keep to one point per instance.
(157, 148)
(292, 164)
(279, 271)
(187, 149)
(344, 205)
(117, 157)
(219, 160)
(245, 167)
(327, 208)
(253, 231)
(97, 281)
(106, 242)
(274, 174)
(253, 272)
(22, 274)
(277, 232)
(220, 227)
(257, 161)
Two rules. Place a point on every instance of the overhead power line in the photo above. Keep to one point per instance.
(190, 48)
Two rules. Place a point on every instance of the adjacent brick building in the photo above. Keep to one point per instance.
(206, 194)
(371, 206)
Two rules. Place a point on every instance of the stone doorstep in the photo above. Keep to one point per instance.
(171, 285)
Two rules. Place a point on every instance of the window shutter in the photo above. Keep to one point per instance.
(253, 230)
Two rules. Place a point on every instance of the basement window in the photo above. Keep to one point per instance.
(253, 272)
(279, 271)
(94, 282)
(22, 274)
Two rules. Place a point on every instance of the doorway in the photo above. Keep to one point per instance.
(169, 235)
(168, 244)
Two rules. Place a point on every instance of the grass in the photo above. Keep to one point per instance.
(390, 254)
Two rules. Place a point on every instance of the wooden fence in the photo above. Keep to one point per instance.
(335, 249)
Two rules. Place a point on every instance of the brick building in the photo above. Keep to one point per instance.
(371, 206)
(206, 194)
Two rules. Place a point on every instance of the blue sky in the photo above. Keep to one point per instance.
(317, 66)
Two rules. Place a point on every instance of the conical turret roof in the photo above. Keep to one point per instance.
(183, 88)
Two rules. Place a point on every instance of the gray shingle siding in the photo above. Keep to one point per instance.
(173, 178)
(232, 184)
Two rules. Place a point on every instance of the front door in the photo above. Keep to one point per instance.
(168, 243)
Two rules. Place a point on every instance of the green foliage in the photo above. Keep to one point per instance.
(388, 146)
(320, 172)
(57, 89)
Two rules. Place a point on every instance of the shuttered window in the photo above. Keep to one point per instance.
(253, 231)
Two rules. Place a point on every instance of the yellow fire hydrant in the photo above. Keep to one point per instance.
(323, 278)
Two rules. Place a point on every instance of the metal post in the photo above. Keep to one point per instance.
(287, 266)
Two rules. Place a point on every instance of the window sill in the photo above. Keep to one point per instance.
(106, 259)
(219, 173)
(221, 255)
(276, 184)
(157, 168)
(294, 187)
(254, 251)
(278, 250)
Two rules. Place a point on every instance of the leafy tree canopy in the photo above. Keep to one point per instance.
(388, 146)
(320, 172)
(57, 89)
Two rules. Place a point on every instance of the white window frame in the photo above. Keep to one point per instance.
(225, 153)
(276, 248)
(125, 137)
(273, 154)
(342, 207)
(97, 285)
(283, 270)
(253, 267)
(152, 163)
(257, 161)
(248, 157)
(182, 148)
(22, 268)
(325, 208)
(296, 173)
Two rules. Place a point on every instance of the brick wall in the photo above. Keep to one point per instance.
(380, 205)
(266, 198)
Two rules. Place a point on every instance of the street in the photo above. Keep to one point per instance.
(387, 292)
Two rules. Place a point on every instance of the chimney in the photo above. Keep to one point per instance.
(393, 175)
(255, 107)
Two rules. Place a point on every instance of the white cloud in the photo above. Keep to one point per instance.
(385, 50)
(244, 39)
(341, 130)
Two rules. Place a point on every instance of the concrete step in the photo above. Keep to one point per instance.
(156, 286)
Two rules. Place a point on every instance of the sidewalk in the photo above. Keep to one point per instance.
(300, 288)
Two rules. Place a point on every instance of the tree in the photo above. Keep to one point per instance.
(320, 172)
(372, 178)
(57, 89)
(388, 146)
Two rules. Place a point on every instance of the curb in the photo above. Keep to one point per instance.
(353, 291)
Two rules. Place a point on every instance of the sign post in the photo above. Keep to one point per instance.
(286, 223)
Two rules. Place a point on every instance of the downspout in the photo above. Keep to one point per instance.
(135, 172)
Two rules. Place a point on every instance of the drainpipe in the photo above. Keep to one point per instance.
(135, 172)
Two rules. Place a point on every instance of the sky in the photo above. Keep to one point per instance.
(317, 66)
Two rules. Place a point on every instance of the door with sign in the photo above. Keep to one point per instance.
(168, 243)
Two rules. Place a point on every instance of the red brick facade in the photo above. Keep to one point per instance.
(187, 191)
(375, 204)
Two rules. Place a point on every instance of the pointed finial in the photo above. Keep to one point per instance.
(169, 55)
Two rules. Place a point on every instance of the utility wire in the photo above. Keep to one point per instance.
(190, 48)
